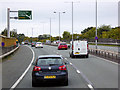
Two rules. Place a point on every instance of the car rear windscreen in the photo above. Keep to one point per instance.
(49, 61)
(63, 44)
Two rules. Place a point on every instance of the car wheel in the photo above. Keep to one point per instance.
(87, 56)
(72, 56)
(34, 84)
(65, 83)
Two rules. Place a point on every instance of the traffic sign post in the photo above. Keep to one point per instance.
(24, 15)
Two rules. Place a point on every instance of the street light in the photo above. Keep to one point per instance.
(59, 22)
(50, 30)
(72, 19)
(96, 26)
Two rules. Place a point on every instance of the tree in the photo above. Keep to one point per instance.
(103, 28)
(66, 35)
(4, 32)
(13, 33)
(20, 37)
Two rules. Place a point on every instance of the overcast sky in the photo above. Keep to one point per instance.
(42, 10)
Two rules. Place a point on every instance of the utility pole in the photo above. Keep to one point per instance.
(8, 22)
(32, 34)
(96, 38)
(59, 22)
(72, 19)
(72, 23)
(50, 30)
(59, 26)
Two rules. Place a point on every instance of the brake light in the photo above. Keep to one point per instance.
(36, 68)
(87, 46)
(72, 47)
(63, 67)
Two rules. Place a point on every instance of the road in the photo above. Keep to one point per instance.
(109, 48)
(101, 73)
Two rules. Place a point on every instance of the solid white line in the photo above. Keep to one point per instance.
(90, 86)
(22, 76)
(107, 60)
(78, 71)
(70, 63)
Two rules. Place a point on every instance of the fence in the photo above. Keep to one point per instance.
(114, 56)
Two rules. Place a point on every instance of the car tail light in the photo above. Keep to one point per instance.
(63, 67)
(72, 47)
(87, 46)
(36, 68)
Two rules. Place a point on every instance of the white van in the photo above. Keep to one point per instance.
(79, 48)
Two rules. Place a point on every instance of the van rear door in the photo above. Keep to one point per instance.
(80, 48)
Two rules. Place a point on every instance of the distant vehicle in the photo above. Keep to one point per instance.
(33, 44)
(29, 43)
(38, 44)
(79, 48)
(48, 42)
(62, 45)
(26, 42)
(50, 69)
(58, 41)
(22, 43)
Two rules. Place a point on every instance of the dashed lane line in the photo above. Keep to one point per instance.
(90, 85)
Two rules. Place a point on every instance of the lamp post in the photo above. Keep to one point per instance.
(72, 19)
(59, 22)
(8, 22)
(96, 27)
(50, 30)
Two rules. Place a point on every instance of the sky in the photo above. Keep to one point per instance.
(43, 10)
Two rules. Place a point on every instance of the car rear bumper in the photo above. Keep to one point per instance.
(63, 48)
(59, 78)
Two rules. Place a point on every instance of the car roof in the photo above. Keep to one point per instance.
(49, 56)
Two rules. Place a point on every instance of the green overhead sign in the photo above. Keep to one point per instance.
(24, 15)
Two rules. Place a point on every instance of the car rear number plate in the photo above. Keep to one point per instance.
(49, 77)
(77, 53)
(63, 47)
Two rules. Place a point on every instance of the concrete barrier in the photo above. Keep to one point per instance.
(8, 53)
(105, 54)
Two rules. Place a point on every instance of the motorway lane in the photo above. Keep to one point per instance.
(75, 80)
(14, 65)
(101, 73)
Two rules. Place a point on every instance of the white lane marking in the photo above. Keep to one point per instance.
(90, 86)
(66, 58)
(22, 76)
(78, 71)
(71, 63)
(107, 60)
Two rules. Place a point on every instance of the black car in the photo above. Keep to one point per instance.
(33, 44)
(50, 69)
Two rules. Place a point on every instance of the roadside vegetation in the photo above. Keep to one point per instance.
(104, 32)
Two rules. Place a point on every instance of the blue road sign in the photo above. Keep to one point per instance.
(96, 38)
(2, 44)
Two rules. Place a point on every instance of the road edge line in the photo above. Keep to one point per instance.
(22, 76)
(107, 60)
